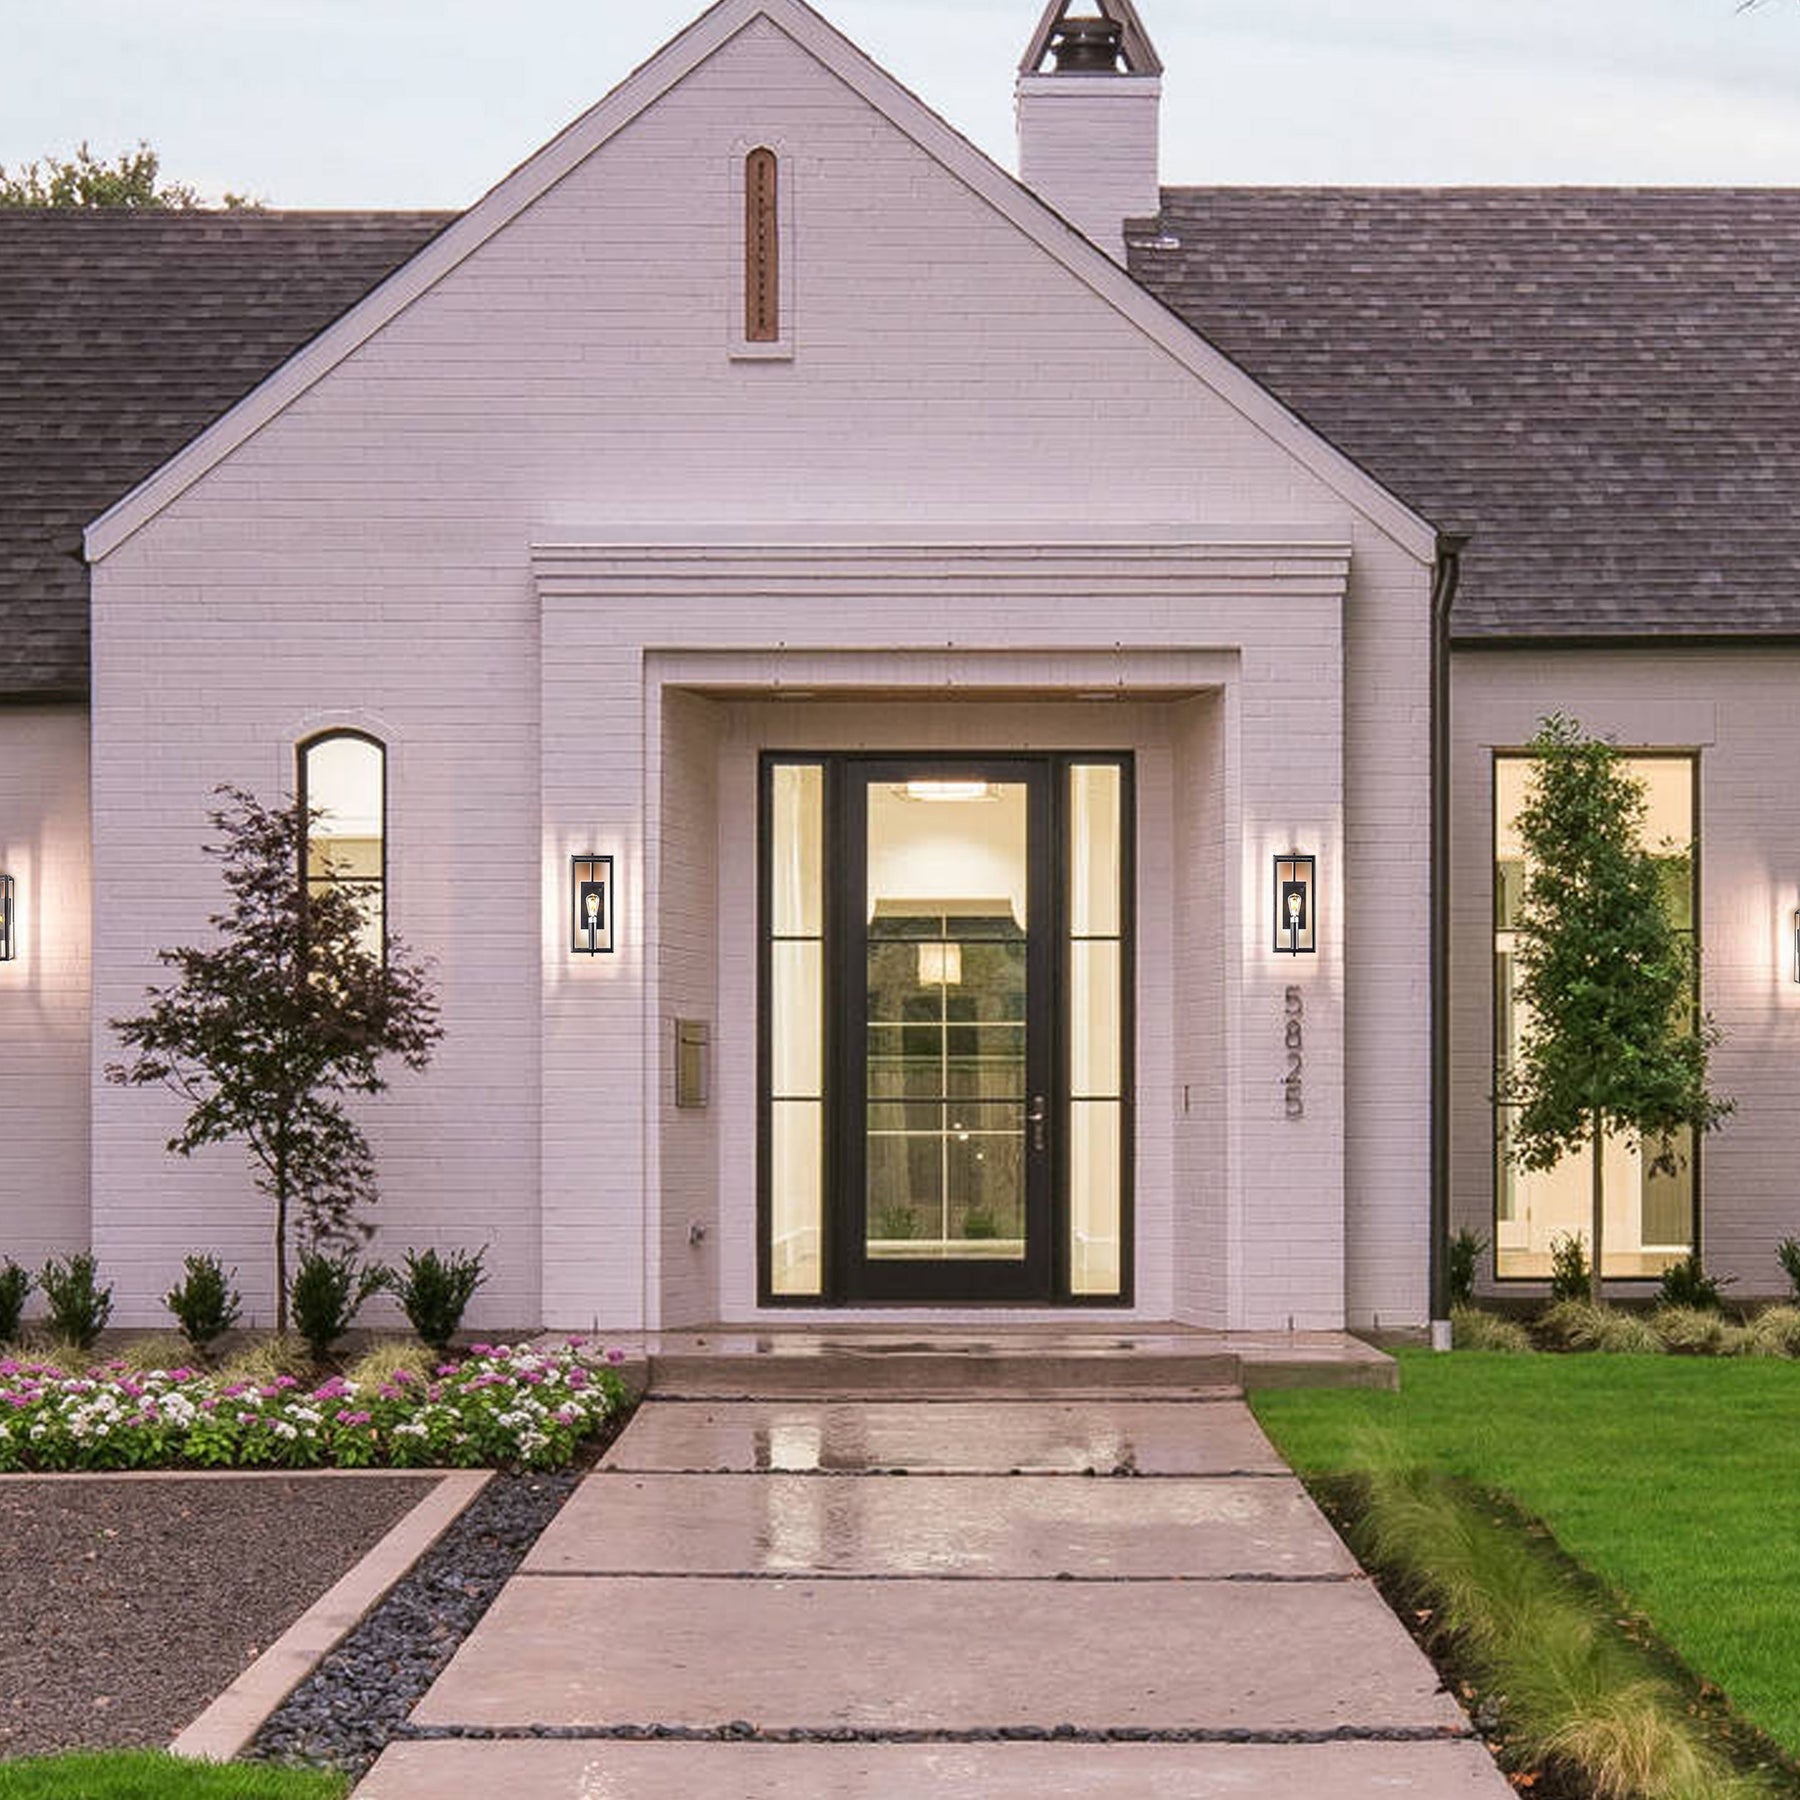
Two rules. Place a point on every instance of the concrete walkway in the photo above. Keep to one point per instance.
(960, 1597)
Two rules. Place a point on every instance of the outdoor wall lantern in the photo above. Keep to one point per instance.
(7, 951)
(1296, 906)
(594, 904)
(1797, 946)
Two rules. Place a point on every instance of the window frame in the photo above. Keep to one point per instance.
(1635, 753)
(302, 752)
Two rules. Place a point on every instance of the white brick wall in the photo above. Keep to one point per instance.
(1089, 145)
(366, 556)
(44, 1013)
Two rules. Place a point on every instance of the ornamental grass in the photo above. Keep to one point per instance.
(504, 1406)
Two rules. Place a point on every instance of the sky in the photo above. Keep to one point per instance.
(427, 103)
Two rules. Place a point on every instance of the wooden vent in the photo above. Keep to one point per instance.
(762, 248)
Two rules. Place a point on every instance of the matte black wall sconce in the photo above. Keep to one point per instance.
(7, 947)
(1296, 905)
(594, 904)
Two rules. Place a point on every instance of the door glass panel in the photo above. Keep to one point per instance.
(946, 984)
(1096, 1015)
(796, 1029)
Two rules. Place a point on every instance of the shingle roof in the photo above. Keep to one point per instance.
(122, 335)
(1603, 386)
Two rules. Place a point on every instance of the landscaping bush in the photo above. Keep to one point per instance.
(1699, 1331)
(328, 1293)
(15, 1285)
(267, 1360)
(1580, 1325)
(1568, 1267)
(79, 1306)
(1775, 1331)
(1472, 1329)
(204, 1302)
(1466, 1252)
(434, 1291)
(1574, 1690)
(1686, 1283)
(1788, 1250)
(509, 1407)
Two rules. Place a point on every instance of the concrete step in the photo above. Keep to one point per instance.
(947, 1363)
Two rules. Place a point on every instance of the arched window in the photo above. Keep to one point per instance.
(343, 779)
(762, 248)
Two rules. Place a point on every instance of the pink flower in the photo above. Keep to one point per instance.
(615, 1356)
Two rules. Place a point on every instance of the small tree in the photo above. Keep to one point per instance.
(264, 1033)
(1609, 983)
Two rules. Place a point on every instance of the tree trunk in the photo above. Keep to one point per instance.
(281, 1274)
(1599, 1200)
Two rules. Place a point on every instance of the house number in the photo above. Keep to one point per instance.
(1294, 1041)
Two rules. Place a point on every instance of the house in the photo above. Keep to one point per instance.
(902, 702)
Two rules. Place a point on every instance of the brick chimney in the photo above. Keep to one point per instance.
(1088, 124)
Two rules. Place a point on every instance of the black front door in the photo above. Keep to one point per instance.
(945, 1055)
(944, 993)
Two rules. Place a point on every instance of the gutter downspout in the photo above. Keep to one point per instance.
(1443, 599)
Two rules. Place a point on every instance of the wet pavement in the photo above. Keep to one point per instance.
(990, 1597)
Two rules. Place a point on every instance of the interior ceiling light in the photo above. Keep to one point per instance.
(948, 790)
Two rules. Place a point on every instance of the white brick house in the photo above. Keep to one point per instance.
(942, 639)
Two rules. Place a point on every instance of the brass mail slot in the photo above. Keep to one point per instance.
(693, 1057)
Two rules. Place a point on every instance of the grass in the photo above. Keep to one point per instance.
(1672, 1479)
(155, 1775)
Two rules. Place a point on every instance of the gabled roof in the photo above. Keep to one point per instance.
(907, 114)
(122, 335)
(1603, 386)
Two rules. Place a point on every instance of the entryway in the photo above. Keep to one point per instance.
(946, 1029)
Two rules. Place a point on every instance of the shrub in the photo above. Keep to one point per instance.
(1466, 1251)
(1580, 1325)
(1699, 1331)
(1788, 1250)
(157, 1350)
(328, 1294)
(1775, 1331)
(79, 1307)
(1472, 1329)
(15, 1284)
(266, 1361)
(434, 1292)
(204, 1302)
(381, 1363)
(1686, 1283)
(1568, 1267)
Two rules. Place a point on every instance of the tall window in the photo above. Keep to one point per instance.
(762, 248)
(343, 778)
(1649, 1216)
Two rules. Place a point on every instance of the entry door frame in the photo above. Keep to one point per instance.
(1048, 877)
(856, 1278)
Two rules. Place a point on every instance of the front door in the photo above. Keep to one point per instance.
(945, 1046)
(945, 981)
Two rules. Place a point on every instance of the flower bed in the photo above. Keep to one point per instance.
(509, 1406)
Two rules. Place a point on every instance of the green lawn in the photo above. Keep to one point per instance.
(151, 1775)
(1675, 1479)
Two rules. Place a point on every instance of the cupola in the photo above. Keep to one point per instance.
(1088, 123)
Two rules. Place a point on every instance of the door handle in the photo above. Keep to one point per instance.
(1039, 1119)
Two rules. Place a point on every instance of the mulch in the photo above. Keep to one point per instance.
(127, 1606)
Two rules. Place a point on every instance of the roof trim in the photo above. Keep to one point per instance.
(908, 114)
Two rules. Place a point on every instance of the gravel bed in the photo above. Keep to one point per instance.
(345, 1712)
(126, 1606)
